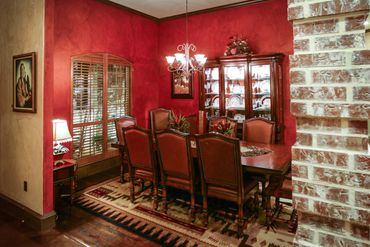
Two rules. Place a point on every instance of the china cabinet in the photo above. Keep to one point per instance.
(243, 87)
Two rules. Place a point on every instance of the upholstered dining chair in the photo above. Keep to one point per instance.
(159, 119)
(214, 121)
(176, 165)
(120, 123)
(259, 130)
(222, 173)
(141, 159)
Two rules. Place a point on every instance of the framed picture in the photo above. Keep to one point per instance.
(24, 82)
(181, 86)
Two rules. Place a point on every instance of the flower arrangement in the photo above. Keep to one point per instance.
(237, 45)
(223, 127)
(179, 122)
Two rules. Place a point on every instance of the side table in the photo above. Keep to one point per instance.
(63, 173)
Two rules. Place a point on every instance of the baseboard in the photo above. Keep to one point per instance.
(26, 215)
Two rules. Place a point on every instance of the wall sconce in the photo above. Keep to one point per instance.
(61, 134)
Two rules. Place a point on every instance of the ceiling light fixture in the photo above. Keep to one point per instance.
(182, 62)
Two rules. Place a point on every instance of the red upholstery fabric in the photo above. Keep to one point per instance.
(259, 130)
(139, 148)
(123, 122)
(159, 119)
(174, 154)
(218, 162)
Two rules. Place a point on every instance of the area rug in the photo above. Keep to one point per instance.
(111, 202)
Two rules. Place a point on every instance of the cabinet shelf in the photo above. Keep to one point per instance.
(261, 94)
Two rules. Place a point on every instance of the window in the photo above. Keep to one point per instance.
(101, 93)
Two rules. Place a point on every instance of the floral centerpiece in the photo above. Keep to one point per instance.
(179, 123)
(237, 45)
(223, 127)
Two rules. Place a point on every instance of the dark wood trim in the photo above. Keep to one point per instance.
(202, 11)
(26, 215)
(129, 10)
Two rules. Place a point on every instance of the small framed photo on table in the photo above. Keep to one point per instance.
(181, 86)
(24, 83)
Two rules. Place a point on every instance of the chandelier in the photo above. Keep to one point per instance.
(182, 62)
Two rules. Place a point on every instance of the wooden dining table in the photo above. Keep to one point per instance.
(275, 162)
(262, 159)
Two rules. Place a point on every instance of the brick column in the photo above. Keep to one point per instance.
(330, 98)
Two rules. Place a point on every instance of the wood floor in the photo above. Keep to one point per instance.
(74, 228)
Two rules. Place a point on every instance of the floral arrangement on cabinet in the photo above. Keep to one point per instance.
(179, 122)
(237, 45)
(223, 127)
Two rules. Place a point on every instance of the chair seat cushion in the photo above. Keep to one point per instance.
(177, 182)
(231, 194)
(140, 173)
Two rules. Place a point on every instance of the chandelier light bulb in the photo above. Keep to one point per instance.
(170, 59)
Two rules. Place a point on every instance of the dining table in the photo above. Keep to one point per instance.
(256, 158)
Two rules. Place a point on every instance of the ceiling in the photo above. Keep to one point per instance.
(166, 8)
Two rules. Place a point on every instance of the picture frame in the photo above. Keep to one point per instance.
(24, 83)
(181, 87)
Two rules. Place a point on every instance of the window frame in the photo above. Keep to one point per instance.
(107, 59)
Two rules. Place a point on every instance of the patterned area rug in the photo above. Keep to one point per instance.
(110, 201)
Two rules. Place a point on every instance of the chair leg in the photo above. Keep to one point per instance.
(205, 211)
(256, 201)
(155, 196)
(164, 198)
(268, 211)
(192, 206)
(263, 183)
(132, 189)
(293, 222)
(122, 174)
(240, 219)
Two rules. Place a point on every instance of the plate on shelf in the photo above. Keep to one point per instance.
(216, 102)
(235, 101)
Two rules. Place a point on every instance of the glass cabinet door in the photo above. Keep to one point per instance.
(261, 90)
(234, 88)
(212, 92)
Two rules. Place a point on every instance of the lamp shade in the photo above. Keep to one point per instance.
(61, 131)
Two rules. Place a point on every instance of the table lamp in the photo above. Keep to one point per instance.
(60, 135)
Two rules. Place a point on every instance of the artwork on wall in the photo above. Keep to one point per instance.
(24, 82)
(181, 86)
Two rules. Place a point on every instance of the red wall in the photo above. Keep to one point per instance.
(89, 26)
(264, 24)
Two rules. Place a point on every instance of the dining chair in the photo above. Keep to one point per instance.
(259, 130)
(280, 187)
(214, 121)
(141, 159)
(176, 165)
(159, 119)
(222, 173)
(120, 123)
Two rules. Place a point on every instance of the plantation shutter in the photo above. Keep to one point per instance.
(101, 94)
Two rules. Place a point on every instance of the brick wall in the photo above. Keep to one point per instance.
(330, 98)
